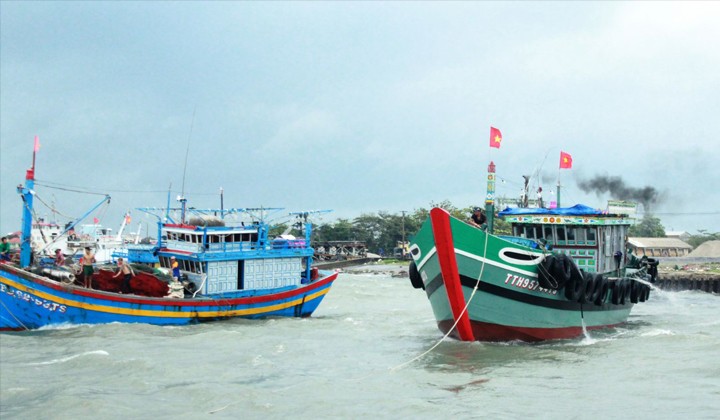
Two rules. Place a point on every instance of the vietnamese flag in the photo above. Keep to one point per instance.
(96, 220)
(565, 160)
(495, 137)
(37, 144)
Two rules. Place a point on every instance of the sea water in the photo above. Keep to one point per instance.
(357, 357)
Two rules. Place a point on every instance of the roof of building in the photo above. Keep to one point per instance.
(658, 243)
(676, 233)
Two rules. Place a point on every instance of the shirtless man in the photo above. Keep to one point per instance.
(127, 272)
(88, 259)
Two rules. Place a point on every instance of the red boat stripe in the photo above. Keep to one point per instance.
(448, 265)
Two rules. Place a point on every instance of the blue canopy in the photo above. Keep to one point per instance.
(576, 210)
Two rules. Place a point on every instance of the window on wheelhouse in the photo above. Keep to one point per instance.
(561, 237)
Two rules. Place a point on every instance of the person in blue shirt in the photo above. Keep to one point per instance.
(175, 269)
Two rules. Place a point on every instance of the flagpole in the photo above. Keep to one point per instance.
(557, 197)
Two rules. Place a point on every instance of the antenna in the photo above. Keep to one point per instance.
(187, 152)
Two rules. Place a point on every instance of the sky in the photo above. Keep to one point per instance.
(358, 107)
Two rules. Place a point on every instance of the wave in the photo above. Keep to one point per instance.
(67, 359)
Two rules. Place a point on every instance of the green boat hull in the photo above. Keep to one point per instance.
(483, 287)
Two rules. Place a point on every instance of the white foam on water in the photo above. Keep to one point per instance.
(69, 358)
(656, 333)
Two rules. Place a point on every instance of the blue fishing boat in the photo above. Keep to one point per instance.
(226, 271)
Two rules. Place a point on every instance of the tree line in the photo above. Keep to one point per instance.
(383, 230)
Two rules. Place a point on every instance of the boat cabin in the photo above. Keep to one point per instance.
(593, 239)
(220, 259)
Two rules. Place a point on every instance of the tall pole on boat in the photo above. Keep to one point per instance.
(26, 193)
(557, 197)
(490, 197)
(222, 212)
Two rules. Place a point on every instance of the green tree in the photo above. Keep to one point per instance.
(702, 237)
(649, 227)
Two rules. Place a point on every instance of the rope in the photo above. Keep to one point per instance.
(11, 314)
(477, 283)
(52, 208)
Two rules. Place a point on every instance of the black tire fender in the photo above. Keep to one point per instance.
(601, 286)
(415, 278)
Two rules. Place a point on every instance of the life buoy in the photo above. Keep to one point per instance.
(601, 287)
(415, 278)
(588, 289)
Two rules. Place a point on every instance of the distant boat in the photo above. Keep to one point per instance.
(227, 271)
(561, 271)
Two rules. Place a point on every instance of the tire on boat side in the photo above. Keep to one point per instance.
(575, 287)
(601, 287)
(550, 273)
(635, 290)
(624, 291)
(643, 290)
(588, 288)
(415, 278)
(616, 288)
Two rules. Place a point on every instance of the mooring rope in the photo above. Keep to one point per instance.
(14, 317)
(477, 283)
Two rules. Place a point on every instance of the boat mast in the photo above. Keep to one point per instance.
(490, 197)
(27, 193)
(557, 198)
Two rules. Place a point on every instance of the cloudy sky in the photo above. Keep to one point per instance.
(358, 106)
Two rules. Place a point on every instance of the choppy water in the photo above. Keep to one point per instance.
(345, 362)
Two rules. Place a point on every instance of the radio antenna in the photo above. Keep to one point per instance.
(187, 152)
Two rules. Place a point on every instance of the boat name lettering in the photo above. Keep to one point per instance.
(526, 283)
(27, 297)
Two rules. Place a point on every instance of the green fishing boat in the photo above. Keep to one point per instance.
(562, 271)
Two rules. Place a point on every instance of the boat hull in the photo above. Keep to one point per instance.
(29, 301)
(482, 287)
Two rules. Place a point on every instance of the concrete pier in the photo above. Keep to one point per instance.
(706, 282)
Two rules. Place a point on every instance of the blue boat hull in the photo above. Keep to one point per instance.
(29, 301)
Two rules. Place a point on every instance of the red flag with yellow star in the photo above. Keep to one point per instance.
(495, 137)
(565, 160)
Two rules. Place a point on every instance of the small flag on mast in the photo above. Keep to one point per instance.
(565, 160)
(495, 137)
(37, 144)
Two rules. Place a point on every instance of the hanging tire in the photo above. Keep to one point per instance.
(616, 287)
(546, 272)
(415, 278)
(635, 289)
(588, 288)
(554, 271)
(643, 290)
(601, 284)
(624, 291)
(574, 289)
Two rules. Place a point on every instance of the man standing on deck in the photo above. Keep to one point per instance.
(88, 259)
(175, 269)
(127, 273)
(5, 249)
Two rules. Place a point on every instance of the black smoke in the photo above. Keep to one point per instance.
(618, 190)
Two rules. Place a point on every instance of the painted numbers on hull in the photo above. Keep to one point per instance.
(27, 297)
(526, 283)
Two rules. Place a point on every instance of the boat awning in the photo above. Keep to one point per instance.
(576, 210)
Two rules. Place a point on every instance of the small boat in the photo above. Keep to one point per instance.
(561, 272)
(226, 272)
